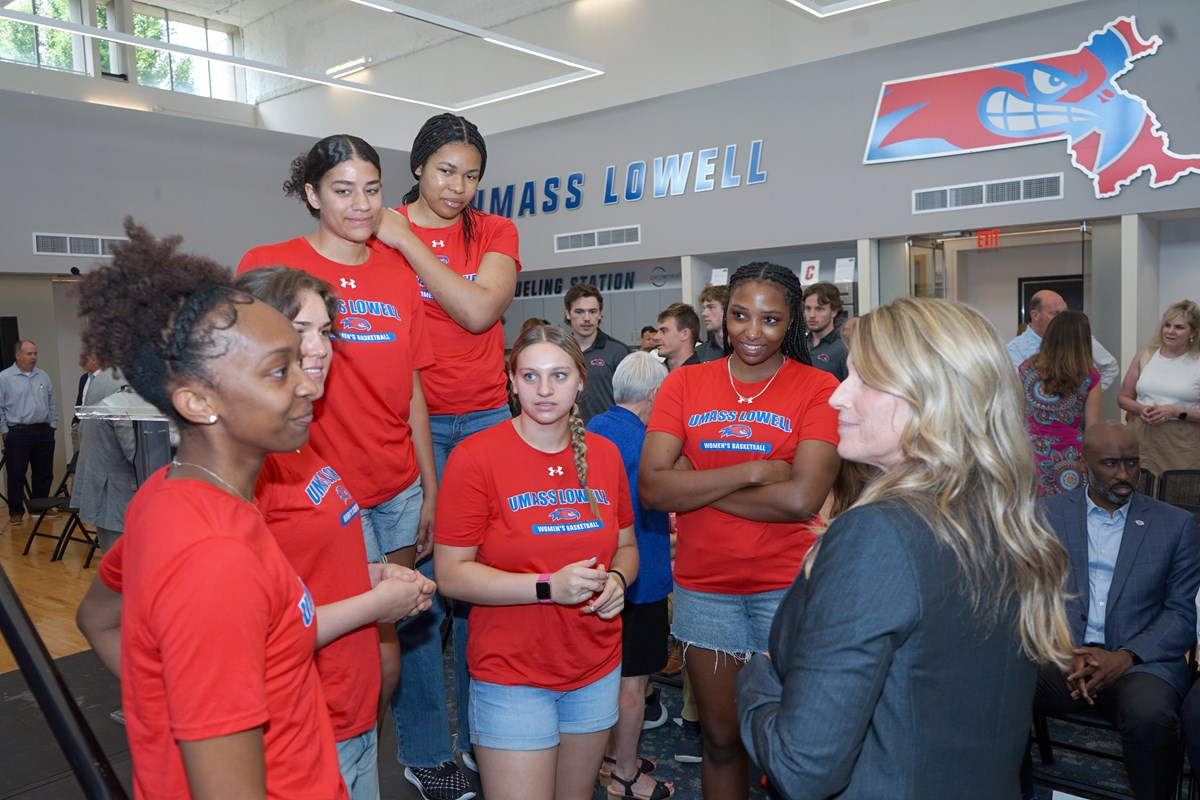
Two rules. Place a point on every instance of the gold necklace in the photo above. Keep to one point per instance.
(750, 400)
(177, 463)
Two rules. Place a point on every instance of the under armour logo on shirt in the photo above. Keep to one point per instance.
(438, 243)
(555, 470)
(348, 283)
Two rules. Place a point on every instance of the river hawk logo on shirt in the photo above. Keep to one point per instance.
(555, 471)
(343, 493)
(736, 432)
(597, 362)
(355, 324)
(564, 515)
(348, 283)
(823, 357)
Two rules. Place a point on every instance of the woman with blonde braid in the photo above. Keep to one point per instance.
(536, 531)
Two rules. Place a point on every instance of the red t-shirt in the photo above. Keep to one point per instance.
(363, 420)
(313, 516)
(217, 637)
(469, 373)
(718, 552)
(526, 513)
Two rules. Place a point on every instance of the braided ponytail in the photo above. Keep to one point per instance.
(552, 334)
(579, 446)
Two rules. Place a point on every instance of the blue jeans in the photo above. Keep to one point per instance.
(357, 761)
(419, 702)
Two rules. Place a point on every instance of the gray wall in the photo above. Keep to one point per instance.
(814, 121)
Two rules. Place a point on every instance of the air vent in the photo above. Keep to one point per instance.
(67, 244)
(591, 240)
(991, 193)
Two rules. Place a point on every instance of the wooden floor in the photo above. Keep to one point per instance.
(49, 590)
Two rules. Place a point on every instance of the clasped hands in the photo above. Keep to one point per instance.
(576, 582)
(403, 592)
(1094, 669)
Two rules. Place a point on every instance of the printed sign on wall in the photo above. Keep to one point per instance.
(1112, 135)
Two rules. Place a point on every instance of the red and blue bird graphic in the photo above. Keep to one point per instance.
(1112, 135)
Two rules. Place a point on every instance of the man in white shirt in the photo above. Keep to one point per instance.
(1043, 307)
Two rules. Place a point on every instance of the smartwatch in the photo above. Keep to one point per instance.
(543, 589)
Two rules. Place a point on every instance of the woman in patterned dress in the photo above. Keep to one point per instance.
(1062, 397)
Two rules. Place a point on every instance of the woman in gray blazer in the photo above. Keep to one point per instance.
(903, 659)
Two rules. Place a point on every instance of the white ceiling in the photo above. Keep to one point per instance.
(648, 48)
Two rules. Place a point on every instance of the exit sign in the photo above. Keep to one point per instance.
(987, 238)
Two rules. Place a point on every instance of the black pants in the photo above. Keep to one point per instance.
(1143, 708)
(25, 448)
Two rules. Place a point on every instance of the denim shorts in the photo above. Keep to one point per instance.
(738, 624)
(529, 718)
(392, 525)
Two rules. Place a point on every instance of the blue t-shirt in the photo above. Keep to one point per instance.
(653, 528)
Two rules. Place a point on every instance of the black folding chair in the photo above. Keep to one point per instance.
(42, 506)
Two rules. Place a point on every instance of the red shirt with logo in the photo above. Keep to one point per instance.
(363, 418)
(316, 521)
(716, 551)
(469, 373)
(217, 637)
(525, 511)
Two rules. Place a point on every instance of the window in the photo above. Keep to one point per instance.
(38, 46)
(182, 73)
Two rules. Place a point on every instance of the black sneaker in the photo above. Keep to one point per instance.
(690, 749)
(443, 782)
(656, 712)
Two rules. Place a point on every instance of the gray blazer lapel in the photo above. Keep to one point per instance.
(1136, 525)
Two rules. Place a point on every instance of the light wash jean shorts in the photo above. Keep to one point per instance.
(529, 718)
(392, 525)
(737, 624)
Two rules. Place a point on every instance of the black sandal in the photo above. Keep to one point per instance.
(662, 789)
(646, 766)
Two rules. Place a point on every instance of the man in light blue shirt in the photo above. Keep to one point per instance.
(28, 417)
(1131, 590)
(1043, 307)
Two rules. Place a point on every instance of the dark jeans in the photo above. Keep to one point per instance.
(25, 448)
(1143, 708)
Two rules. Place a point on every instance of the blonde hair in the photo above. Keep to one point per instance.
(1191, 315)
(968, 468)
(535, 333)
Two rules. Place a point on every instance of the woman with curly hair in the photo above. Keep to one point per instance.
(535, 530)
(1062, 397)
(214, 631)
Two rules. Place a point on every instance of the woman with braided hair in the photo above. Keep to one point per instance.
(535, 528)
(744, 450)
(467, 264)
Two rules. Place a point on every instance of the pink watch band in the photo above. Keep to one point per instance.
(545, 578)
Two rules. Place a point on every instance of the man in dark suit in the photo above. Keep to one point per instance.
(1134, 571)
